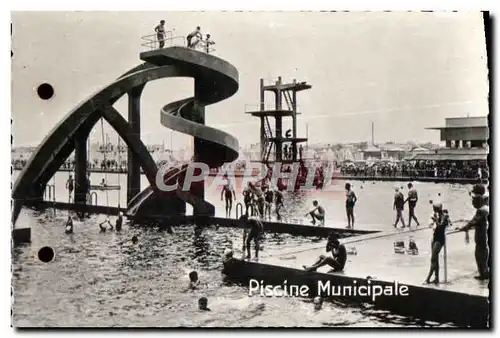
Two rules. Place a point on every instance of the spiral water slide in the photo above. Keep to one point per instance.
(215, 80)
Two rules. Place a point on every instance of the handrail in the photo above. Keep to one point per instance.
(253, 107)
(152, 42)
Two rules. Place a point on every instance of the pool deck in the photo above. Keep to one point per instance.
(463, 300)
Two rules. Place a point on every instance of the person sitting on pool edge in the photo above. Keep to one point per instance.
(318, 213)
(338, 259)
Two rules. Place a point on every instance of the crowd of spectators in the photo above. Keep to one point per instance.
(418, 169)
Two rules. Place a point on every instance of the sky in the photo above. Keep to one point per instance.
(404, 71)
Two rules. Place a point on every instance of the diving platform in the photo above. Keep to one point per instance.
(294, 86)
(272, 113)
(461, 300)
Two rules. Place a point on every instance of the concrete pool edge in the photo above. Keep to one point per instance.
(422, 302)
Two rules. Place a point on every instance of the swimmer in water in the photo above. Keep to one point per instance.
(193, 280)
(318, 303)
(318, 213)
(228, 193)
(441, 219)
(103, 228)
(338, 259)
(253, 231)
(135, 239)
(203, 304)
(69, 225)
(119, 221)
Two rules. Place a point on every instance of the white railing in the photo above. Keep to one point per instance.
(152, 42)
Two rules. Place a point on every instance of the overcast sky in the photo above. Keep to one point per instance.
(403, 71)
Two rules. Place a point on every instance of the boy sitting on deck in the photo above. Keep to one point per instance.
(338, 259)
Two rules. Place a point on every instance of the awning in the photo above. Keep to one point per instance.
(448, 157)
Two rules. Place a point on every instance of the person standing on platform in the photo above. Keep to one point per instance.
(412, 203)
(350, 201)
(160, 33)
(194, 34)
(399, 202)
(480, 223)
(268, 196)
(301, 149)
(70, 185)
(228, 193)
(208, 43)
(247, 198)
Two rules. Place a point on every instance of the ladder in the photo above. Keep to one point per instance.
(267, 144)
(288, 99)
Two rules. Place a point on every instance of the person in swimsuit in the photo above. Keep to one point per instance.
(399, 202)
(318, 213)
(160, 33)
(70, 185)
(208, 43)
(253, 232)
(441, 219)
(412, 203)
(268, 196)
(350, 201)
(196, 33)
(338, 259)
(228, 193)
(247, 198)
(480, 201)
(119, 221)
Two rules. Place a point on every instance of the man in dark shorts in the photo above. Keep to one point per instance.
(268, 196)
(253, 231)
(412, 203)
(338, 259)
(350, 201)
(318, 213)
(228, 193)
(247, 198)
(399, 202)
(480, 223)
(160, 33)
(70, 185)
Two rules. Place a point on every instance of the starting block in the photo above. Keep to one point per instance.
(399, 247)
(352, 250)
